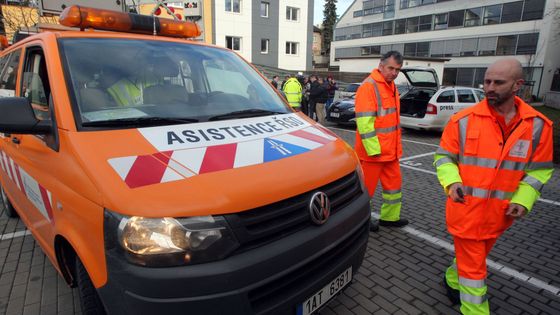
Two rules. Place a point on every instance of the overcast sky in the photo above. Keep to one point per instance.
(341, 7)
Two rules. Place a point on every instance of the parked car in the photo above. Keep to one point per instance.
(424, 104)
(348, 92)
(342, 111)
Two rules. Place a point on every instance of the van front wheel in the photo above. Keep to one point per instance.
(90, 301)
(7, 205)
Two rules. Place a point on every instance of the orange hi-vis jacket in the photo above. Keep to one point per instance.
(378, 134)
(494, 172)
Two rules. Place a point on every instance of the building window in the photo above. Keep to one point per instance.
(292, 13)
(233, 43)
(511, 12)
(469, 46)
(440, 21)
(506, 45)
(452, 48)
(412, 25)
(449, 76)
(358, 13)
(492, 14)
(264, 9)
(465, 77)
(423, 49)
(233, 6)
(410, 49)
(387, 28)
(425, 23)
(264, 46)
(533, 10)
(389, 10)
(436, 48)
(527, 44)
(400, 26)
(487, 46)
(456, 18)
(472, 17)
(291, 48)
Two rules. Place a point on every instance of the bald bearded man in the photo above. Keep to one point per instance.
(493, 161)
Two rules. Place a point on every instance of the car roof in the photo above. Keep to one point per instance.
(458, 87)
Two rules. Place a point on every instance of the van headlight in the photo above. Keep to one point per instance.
(158, 242)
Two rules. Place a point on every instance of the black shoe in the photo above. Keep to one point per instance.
(398, 223)
(453, 294)
(373, 225)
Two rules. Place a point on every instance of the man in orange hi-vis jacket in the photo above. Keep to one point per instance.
(493, 161)
(378, 137)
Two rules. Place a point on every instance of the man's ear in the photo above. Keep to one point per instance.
(518, 84)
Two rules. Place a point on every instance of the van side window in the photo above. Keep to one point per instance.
(9, 73)
(446, 97)
(36, 86)
(465, 96)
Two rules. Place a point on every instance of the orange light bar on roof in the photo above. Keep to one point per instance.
(4, 42)
(84, 17)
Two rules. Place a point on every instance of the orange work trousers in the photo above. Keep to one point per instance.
(391, 181)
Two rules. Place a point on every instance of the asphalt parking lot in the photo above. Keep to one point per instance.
(403, 268)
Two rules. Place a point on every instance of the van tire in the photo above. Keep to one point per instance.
(90, 302)
(8, 207)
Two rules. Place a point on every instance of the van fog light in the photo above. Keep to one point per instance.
(174, 241)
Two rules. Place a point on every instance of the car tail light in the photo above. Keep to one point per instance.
(431, 110)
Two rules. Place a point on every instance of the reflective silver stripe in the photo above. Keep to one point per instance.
(491, 163)
(478, 284)
(476, 161)
(391, 201)
(442, 151)
(539, 165)
(385, 112)
(366, 114)
(391, 192)
(444, 160)
(473, 298)
(368, 135)
(484, 193)
(535, 183)
(377, 96)
(463, 123)
(538, 124)
(386, 130)
(512, 165)
(369, 80)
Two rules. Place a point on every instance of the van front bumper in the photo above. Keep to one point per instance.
(271, 279)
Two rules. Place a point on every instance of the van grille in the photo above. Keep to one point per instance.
(260, 226)
(265, 297)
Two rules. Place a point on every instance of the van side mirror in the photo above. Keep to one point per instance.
(17, 116)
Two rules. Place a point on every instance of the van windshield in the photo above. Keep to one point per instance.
(121, 83)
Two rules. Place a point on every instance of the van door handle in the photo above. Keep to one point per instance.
(15, 140)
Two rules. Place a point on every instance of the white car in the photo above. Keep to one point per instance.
(426, 106)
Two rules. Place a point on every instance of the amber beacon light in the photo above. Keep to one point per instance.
(84, 17)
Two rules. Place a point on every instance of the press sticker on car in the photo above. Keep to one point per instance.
(520, 149)
(280, 137)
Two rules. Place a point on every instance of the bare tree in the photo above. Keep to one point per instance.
(22, 17)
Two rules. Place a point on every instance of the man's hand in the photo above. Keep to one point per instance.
(456, 192)
(516, 210)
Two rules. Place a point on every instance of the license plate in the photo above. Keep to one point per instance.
(325, 294)
(336, 115)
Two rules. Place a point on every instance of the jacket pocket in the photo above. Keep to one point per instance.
(471, 141)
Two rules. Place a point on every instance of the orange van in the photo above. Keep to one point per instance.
(164, 176)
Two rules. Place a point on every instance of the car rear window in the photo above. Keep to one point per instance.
(352, 88)
(465, 96)
(446, 97)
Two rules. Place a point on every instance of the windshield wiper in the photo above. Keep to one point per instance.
(139, 121)
(246, 113)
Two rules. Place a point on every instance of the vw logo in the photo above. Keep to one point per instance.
(319, 208)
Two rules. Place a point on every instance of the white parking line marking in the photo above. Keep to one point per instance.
(415, 156)
(9, 236)
(492, 264)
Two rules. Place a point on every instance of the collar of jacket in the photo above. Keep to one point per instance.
(525, 110)
(376, 75)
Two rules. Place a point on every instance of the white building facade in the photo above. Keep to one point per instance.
(276, 33)
(470, 34)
